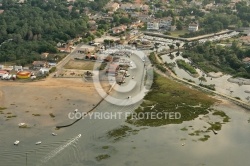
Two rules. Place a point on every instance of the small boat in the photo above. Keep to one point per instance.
(38, 143)
(215, 132)
(22, 125)
(76, 110)
(54, 134)
(16, 142)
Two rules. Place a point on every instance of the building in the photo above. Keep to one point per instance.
(18, 68)
(245, 40)
(165, 23)
(193, 27)
(153, 25)
(1, 11)
(64, 49)
(112, 7)
(91, 57)
(44, 70)
(119, 29)
(86, 49)
(39, 64)
(44, 55)
(112, 69)
(246, 60)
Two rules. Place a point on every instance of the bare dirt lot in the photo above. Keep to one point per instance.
(80, 65)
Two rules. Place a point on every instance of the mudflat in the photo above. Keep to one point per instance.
(34, 102)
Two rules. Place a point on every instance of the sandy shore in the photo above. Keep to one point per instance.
(58, 96)
(241, 81)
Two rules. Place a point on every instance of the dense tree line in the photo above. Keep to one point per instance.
(36, 26)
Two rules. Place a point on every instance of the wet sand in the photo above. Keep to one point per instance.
(241, 81)
(56, 96)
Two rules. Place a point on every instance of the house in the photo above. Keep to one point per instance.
(112, 69)
(64, 49)
(193, 27)
(71, 1)
(1, 66)
(8, 68)
(86, 49)
(1, 11)
(18, 68)
(209, 6)
(153, 25)
(70, 8)
(112, 7)
(108, 59)
(44, 55)
(145, 8)
(44, 70)
(246, 60)
(52, 64)
(136, 25)
(127, 6)
(119, 29)
(91, 57)
(245, 40)
(39, 64)
(165, 23)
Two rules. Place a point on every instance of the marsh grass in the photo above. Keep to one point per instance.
(36, 114)
(102, 157)
(222, 114)
(171, 96)
(105, 147)
(121, 132)
(52, 115)
(205, 138)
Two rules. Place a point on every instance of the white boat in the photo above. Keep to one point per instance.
(22, 125)
(16, 142)
(54, 134)
(38, 143)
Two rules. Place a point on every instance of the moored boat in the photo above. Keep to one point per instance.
(38, 143)
(16, 142)
(54, 134)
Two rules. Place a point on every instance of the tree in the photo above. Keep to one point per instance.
(178, 45)
(171, 47)
(202, 78)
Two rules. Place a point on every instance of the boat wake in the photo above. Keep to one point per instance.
(58, 150)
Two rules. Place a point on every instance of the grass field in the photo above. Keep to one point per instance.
(80, 65)
(178, 33)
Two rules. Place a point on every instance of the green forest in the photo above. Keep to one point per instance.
(212, 57)
(28, 29)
